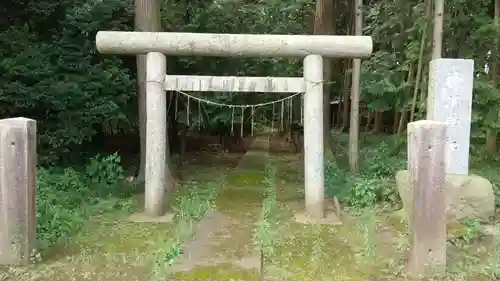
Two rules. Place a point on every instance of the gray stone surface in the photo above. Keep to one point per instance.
(17, 190)
(314, 174)
(469, 197)
(450, 101)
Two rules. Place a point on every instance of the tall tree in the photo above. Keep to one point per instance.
(147, 19)
(437, 38)
(355, 94)
(423, 42)
(324, 24)
(491, 133)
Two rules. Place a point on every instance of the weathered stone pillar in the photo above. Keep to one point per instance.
(156, 135)
(313, 137)
(426, 161)
(17, 190)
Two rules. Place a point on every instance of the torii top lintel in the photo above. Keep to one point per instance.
(233, 45)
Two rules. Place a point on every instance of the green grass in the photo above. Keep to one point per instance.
(371, 244)
(90, 237)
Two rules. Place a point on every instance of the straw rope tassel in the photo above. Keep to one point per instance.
(291, 111)
(199, 115)
(232, 121)
(253, 113)
(176, 103)
(282, 114)
(187, 113)
(242, 120)
(302, 110)
(272, 120)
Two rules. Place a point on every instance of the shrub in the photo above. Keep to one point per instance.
(67, 197)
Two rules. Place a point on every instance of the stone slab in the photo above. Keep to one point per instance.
(143, 218)
(450, 100)
(330, 219)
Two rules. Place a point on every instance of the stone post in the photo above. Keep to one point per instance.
(17, 190)
(450, 101)
(426, 160)
(156, 132)
(313, 136)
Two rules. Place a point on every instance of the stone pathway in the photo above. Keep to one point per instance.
(222, 247)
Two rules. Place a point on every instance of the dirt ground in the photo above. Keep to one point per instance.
(372, 246)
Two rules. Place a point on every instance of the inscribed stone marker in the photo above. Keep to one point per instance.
(17, 190)
(450, 100)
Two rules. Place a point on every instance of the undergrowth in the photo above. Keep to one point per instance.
(67, 197)
(381, 156)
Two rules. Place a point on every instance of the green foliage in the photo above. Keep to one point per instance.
(337, 180)
(197, 201)
(397, 28)
(67, 197)
(274, 17)
(364, 192)
(70, 90)
(382, 158)
(52, 72)
(488, 168)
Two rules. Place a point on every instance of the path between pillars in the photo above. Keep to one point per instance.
(222, 247)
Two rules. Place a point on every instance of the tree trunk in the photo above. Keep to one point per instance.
(339, 114)
(423, 41)
(355, 95)
(404, 112)
(437, 38)
(333, 117)
(395, 123)
(491, 133)
(345, 95)
(347, 81)
(491, 141)
(402, 121)
(324, 24)
(147, 18)
(369, 119)
(378, 123)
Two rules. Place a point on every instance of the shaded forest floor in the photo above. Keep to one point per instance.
(217, 209)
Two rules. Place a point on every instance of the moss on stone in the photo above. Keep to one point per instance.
(225, 271)
(246, 178)
(454, 228)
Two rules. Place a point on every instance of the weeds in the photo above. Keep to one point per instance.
(374, 187)
(66, 198)
(382, 157)
(189, 208)
(265, 234)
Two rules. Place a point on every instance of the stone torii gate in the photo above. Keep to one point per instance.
(310, 47)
